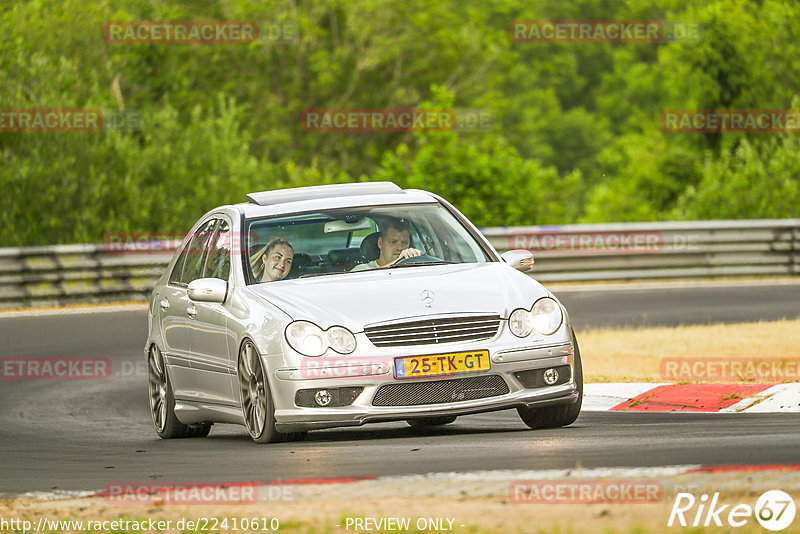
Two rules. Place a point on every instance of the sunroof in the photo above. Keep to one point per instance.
(280, 196)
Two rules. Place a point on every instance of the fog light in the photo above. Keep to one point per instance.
(550, 376)
(322, 397)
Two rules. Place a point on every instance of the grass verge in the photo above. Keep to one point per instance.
(634, 355)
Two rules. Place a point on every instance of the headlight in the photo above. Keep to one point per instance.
(341, 339)
(306, 338)
(546, 316)
(310, 340)
(520, 322)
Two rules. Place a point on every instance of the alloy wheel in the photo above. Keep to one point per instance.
(252, 383)
(157, 385)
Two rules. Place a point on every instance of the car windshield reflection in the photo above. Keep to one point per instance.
(358, 239)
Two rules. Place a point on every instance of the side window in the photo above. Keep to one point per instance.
(196, 252)
(175, 275)
(218, 264)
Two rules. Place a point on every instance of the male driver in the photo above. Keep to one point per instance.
(394, 244)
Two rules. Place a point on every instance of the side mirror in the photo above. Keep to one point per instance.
(521, 260)
(208, 290)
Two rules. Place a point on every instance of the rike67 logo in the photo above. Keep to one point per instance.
(774, 510)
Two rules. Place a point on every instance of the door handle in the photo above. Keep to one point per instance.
(164, 304)
(191, 311)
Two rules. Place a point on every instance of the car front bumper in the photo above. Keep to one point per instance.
(505, 363)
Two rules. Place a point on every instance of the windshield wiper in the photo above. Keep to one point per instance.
(417, 263)
(311, 275)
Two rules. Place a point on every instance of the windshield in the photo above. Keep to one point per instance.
(354, 240)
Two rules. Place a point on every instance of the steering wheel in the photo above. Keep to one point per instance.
(424, 258)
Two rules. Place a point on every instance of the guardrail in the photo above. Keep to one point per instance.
(639, 251)
(63, 274)
(58, 275)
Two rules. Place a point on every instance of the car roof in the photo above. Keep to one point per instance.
(319, 197)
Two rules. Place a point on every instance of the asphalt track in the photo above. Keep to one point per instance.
(81, 435)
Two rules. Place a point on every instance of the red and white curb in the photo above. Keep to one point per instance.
(710, 398)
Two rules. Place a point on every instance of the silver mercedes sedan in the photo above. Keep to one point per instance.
(339, 305)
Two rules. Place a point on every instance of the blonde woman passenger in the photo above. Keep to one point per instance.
(273, 262)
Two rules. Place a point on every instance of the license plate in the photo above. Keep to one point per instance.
(441, 364)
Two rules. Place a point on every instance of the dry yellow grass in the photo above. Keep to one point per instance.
(633, 355)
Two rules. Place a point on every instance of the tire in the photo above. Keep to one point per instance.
(562, 414)
(162, 402)
(257, 406)
(293, 436)
(425, 422)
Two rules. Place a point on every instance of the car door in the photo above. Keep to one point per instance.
(173, 306)
(211, 364)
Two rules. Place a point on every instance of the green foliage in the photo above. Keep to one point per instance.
(643, 175)
(484, 177)
(760, 179)
(577, 137)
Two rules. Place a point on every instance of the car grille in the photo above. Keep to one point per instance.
(440, 391)
(432, 331)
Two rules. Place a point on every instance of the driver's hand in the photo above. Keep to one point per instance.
(409, 253)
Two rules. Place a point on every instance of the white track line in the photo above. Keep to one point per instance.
(603, 397)
(778, 398)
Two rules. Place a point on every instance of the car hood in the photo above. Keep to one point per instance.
(354, 300)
